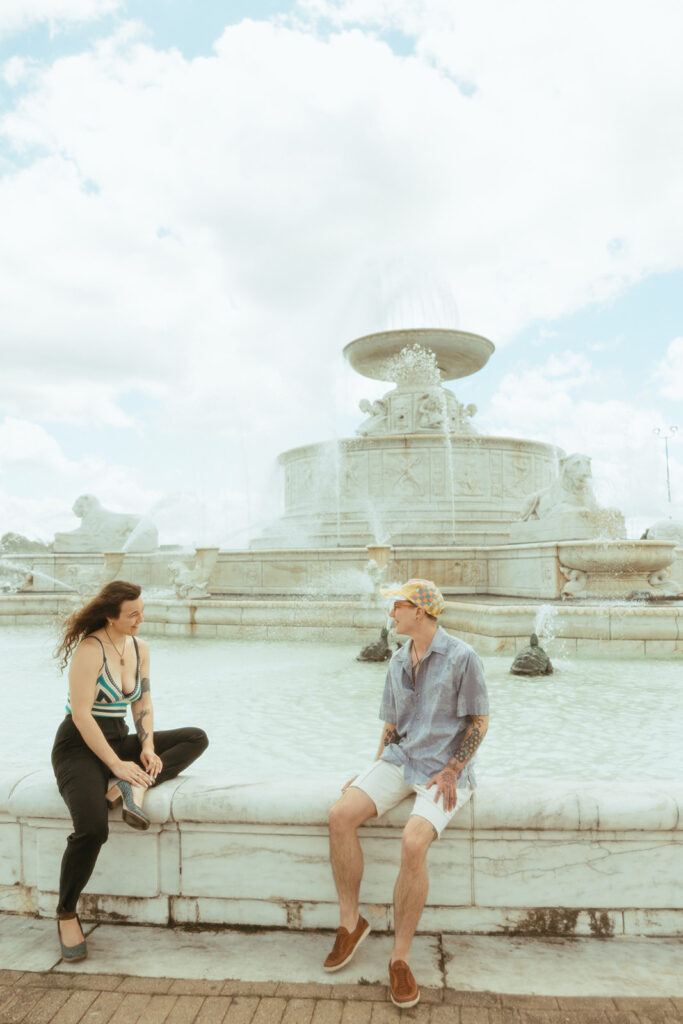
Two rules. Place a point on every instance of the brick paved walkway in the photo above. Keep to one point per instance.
(52, 998)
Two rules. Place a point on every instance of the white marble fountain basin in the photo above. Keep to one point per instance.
(616, 556)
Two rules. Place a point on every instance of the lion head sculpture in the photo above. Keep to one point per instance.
(575, 472)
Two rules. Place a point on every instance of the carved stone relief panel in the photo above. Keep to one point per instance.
(449, 574)
(289, 486)
(472, 573)
(253, 575)
(519, 476)
(469, 474)
(293, 491)
(548, 572)
(405, 474)
(440, 481)
(354, 476)
(544, 471)
(495, 474)
(375, 480)
(306, 481)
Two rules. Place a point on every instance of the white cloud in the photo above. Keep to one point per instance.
(515, 194)
(556, 154)
(669, 372)
(25, 443)
(78, 400)
(17, 15)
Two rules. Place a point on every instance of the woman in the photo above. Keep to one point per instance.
(94, 759)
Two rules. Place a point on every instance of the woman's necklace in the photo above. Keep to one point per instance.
(119, 652)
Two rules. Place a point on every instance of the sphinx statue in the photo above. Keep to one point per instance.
(567, 508)
(571, 490)
(102, 530)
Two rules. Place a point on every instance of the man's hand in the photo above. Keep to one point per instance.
(446, 782)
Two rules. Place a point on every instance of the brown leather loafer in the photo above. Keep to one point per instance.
(402, 985)
(346, 944)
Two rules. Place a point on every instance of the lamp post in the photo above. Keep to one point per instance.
(666, 433)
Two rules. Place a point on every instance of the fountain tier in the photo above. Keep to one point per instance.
(458, 353)
(426, 489)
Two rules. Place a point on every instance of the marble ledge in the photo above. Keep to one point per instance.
(656, 806)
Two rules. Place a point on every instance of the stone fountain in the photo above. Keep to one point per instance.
(501, 523)
(418, 473)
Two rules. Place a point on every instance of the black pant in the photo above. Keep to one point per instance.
(82, 779)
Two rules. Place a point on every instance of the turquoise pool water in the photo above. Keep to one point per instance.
(280, 709)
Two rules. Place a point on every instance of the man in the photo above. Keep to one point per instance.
(435, 713)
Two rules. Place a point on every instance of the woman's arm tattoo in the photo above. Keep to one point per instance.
(144, 685)
(139, 727)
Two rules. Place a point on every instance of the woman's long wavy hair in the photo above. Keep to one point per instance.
(94, 615)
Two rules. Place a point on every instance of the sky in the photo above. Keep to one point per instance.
(202, 202)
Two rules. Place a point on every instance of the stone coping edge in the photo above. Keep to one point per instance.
(653, 806)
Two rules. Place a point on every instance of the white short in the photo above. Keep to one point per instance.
(384, 784)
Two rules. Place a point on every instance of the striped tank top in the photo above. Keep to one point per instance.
(110, 701)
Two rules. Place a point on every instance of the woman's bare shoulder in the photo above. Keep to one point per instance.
(89, 650)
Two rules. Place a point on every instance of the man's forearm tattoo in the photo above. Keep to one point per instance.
(470, 741)
(144, 685)
(391, 736)
(140, 729)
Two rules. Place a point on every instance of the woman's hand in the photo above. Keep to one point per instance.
(152, 763)
(131, 772)
(347, 784)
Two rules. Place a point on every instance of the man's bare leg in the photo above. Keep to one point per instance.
(412, 884)
(346, 856)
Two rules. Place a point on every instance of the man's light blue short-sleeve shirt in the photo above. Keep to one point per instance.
(432, 715)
